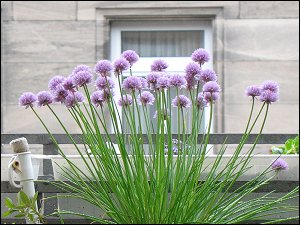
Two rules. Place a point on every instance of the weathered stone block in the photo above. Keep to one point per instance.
(55, 41)
(239, 75)
(21, 77)
(45, 10)
(21, 120)
(263, 39)
(87, 9)
(6, 10)
(282, 118)
(269, 9)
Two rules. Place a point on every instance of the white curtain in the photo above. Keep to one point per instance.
(162, 43)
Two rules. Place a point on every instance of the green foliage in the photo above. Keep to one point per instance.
(291, 146)
(162, 188)
(25, 207)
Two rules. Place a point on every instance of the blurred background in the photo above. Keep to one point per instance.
(249, 41)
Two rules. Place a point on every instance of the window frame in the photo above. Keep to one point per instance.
(117, 27)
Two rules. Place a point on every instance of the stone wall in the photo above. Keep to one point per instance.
(260, 40)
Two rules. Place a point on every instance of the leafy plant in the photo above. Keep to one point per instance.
(169, 183)
(25, 208)
(291, 146)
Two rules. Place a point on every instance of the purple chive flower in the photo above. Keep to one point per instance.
(193, 69)
(279, 164)
(80, 68)
(162, 83)
(177, 80)
(253, 91)
(27, 99)
(73, 98)
(200, 56)
(211, 86)
(104, 83)
(269, 96)
(191, 82)
(130, 56)
(60, 94)
(270, 85)
(201, 102)
(103, 67)
(207, 75)
(132, 83)
(98, 98)
(82, 78)
(144, 82)
(120, 65)
(152, 78)
(146, 98)
(69, 85)
(55, 81)
(44, 98)
(159, 65)
(125, 100)
(181, 101)
(211, 96)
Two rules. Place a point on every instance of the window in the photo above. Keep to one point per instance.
(173, 41)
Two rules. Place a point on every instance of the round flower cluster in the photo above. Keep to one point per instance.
(267, 92)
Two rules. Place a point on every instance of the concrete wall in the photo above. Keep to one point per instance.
(256, 41)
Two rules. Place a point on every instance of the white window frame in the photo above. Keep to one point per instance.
(176, 64)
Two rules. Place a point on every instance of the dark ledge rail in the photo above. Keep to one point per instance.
(215, 138)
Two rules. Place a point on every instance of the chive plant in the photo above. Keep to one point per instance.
(169, 182)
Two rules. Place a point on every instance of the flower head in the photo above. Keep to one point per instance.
(44, 98)
(162, 83)
(144, 82)
(192, 69)
(152, 78)
(201, 102)
(191, 82)
(159, 65)
(211, 86)
(253, 91)
(181, 101)
(132, 83)
(103, 67)
(120, 65)
(73, 98)
(270, 85)
(207, 75)
(80, 68)
(177, 80)
(55, 81)
(279, 164)
(60, 94)
(130, 56)
(97, 98)
(68, 84)
(146, 98)
(269, 96)
(211, 96)
(125, 100)
(82, 78)
(104, 82)
(27, 99)
(200, 56)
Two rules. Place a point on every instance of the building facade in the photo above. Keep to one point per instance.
(249, 41)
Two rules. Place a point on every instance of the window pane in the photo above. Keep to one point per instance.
(162, 43)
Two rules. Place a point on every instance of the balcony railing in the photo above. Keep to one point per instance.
(49, 148)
